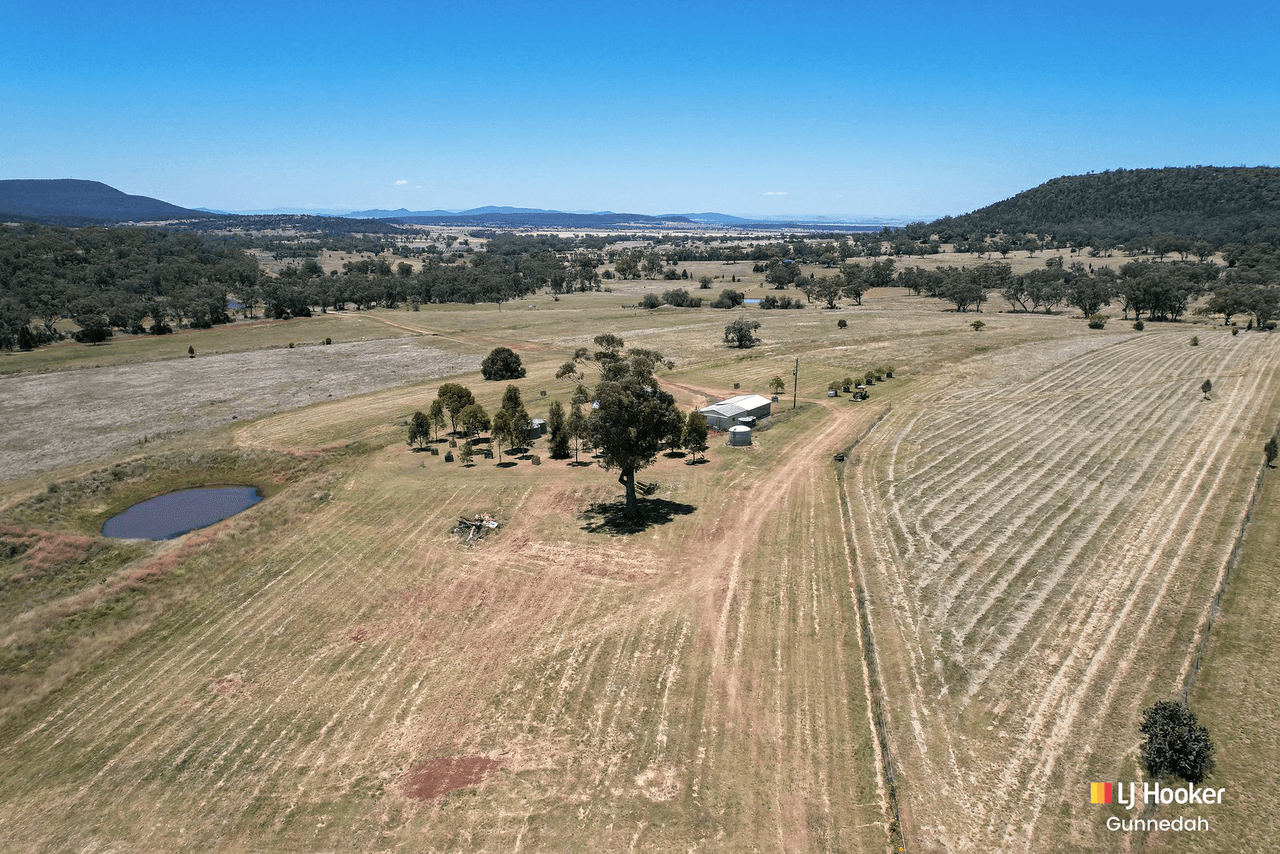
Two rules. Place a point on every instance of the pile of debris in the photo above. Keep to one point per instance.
(475, 527)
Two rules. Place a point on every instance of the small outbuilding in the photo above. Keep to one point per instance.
(727, 413)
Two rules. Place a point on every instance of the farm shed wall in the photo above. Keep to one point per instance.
(725, 414)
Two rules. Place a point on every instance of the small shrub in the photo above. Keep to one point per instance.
(977, 325)
(290, 345)
(1097, 321)
(536, 460)
(328, 341)
(680, 298)
(729, 299)
(1235, 330)
(842, 323)
(651, 301)
(1139, 325)
(1195, 340)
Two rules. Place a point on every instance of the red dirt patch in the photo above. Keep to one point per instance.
(435, 777)
(56, 549)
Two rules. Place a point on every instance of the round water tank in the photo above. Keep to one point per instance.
(739, 435)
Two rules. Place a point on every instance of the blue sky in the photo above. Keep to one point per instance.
(744, 108)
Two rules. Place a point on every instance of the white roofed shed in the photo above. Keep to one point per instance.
(725, 414)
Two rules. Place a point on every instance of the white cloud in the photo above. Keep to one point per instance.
(401, 183)
(775, 192)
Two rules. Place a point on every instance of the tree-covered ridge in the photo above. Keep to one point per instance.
(108, 278)
(82, 200)
(1216, 204)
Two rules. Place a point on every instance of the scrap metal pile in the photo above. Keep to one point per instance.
(475, 527)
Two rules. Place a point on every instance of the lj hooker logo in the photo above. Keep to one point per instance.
(1132, 796)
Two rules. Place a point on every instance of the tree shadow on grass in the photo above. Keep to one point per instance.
(610, 517)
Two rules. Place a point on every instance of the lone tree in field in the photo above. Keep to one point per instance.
(1206, 387)
(420, 429)
(741, 333)
(1269, 451)
(695, 434)
(465, 453)
(576, 428)
(455, 398)
(473, 419)
(1177, 745)
(777, 385)
(514, 407)
(558, 430)
(436, 415)
(502, 363)
(505, 431)
(632, 415)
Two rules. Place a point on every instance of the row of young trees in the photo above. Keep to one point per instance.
(1163, 291)
(629, 421)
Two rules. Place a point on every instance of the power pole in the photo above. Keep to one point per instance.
(795, 380)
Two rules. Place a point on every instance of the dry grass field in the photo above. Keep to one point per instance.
(1019, 555)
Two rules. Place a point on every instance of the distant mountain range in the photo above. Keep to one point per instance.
(76, 201)
(380, 213)
(519, 216)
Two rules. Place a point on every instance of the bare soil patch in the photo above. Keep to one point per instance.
(437, 777)
(53, 420)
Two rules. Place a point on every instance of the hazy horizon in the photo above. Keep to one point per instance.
(824, 109)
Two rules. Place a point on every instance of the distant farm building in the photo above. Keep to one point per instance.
(728, 413)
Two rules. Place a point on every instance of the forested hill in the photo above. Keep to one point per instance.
(69, 201)
(1218, 204)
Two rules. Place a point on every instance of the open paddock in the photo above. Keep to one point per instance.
(1016, 558)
